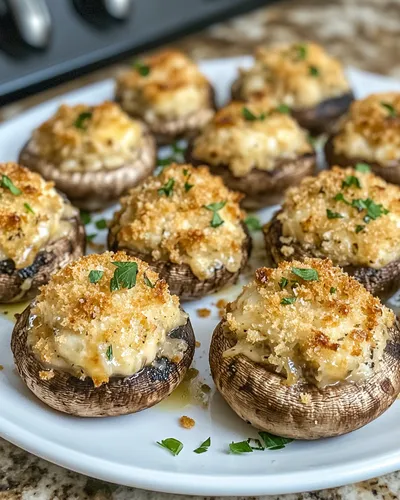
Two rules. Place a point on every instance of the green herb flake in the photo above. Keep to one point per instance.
(313, 71)
(240, 447)
(340, 197)
(363, 167)
(7, 183)
(177, 149)
(124, 275)
(109, 353)
(283, 108)
(351, 180)
(253, 223)
(283, 282)
(81, 121)
(142, 68)
(250, 116)
(163, 162)
(307, 274)
(203, 447)
(286, 301)
(91, 237)
(85, 217)
(301, 52)
(185, 172)
(168, 188)
(101, 224)
(216, 220)
(332, 290)
(333, 215)
(187, 185)
(272, 442)
(95, 275)
(390, 109)
(29, 208)
(373, 209)
(359, 228)
(172, 445)
(148, 282)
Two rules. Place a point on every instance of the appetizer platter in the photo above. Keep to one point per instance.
(154, 303)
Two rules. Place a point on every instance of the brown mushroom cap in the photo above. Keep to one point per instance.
(180, 277)
(94, 190)
(120, 396)
(389, 172)
(50, 259)
(382, 282)
(261, 398)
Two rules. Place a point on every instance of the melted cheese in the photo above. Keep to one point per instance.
(322, 337)
(305, 219)
(299, 75)
(178, 227)
(105, 140)
(370, 131)
(89, 331)
(242, 144)
(32, 219)
(173, 87)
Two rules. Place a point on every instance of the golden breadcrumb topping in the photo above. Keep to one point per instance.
(257, 135)
(166, 85)
(31, 213)
(349, 216)
(88, 138)
(300, 75)
(310, 321)
(83, 324)
(371, 130)
(184, 215)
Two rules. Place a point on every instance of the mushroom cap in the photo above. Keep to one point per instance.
(260, 397)
(50, 259)
(181, 279)
(94, 190)
(120, 396)
(382, 282)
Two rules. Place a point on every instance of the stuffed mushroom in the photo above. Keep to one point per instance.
(307, 352)
(257, 149)
(188, 226)
(301, 76)
(105, 337)
(168, 92)
(40, 232)
(347, 215)
(92, 153)
(370, 133)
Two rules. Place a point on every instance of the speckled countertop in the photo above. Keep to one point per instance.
(363, 33)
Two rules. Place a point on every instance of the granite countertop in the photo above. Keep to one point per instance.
(363, 33)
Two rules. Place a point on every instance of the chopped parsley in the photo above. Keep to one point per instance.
(283, 282)
(253, 223)
(313, 71)
(7, 183)
(340, 197)
(283, 108)
(359, 228)
(85, 217)
(373, 209)
(332, 290)
(29, 208)
(240, 447)
(148, 282)
(95, 275)
(167, 188)
(333, 215)
(203, 447)
(288, 300)
(109, 353)
(124, 275)
(250, 116)
(187, 185)
(363, 167)
(390, 109)
(172, 445)
(141, 68)
(273, 442)
(81, 121)
(307, 274)
(101, 224)
(301, 52)
(351, 180)
(91, 237)
(216, 220)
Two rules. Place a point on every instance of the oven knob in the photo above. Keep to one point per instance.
(32, 20)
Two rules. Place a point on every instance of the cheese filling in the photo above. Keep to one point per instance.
(323, 331)
(371, 130)
(300, 75)
(32, 214)
(80, 326)
(348, 216)
(81, 138)
(167, 217)
(250, 136)
(165, 86)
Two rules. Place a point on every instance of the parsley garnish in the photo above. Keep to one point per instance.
(359, 228)
(124, 275)
(253, 223)
(101, 224)
(109, 353)
(29, 208)
(288, 300)
(272, 442)
(148, 282)
(141, 68)
(332, 290)
(307, 274)
(81, 121)
(95, 275)
(363, 167)
(250, 116)
(188, 186)
(313, 71)
(283, 108)
(203, 447)
(7, 183)
(390, 109)
(333, 215)
(283, 282)
(340, 197)
(91, 237)
(167, 188)
(216, 220)
(85, 217)
(172, 445)
(351, 180)
(373, 209)
(240, 447)
(301, 52)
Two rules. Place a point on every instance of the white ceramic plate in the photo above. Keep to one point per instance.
(123, 449)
